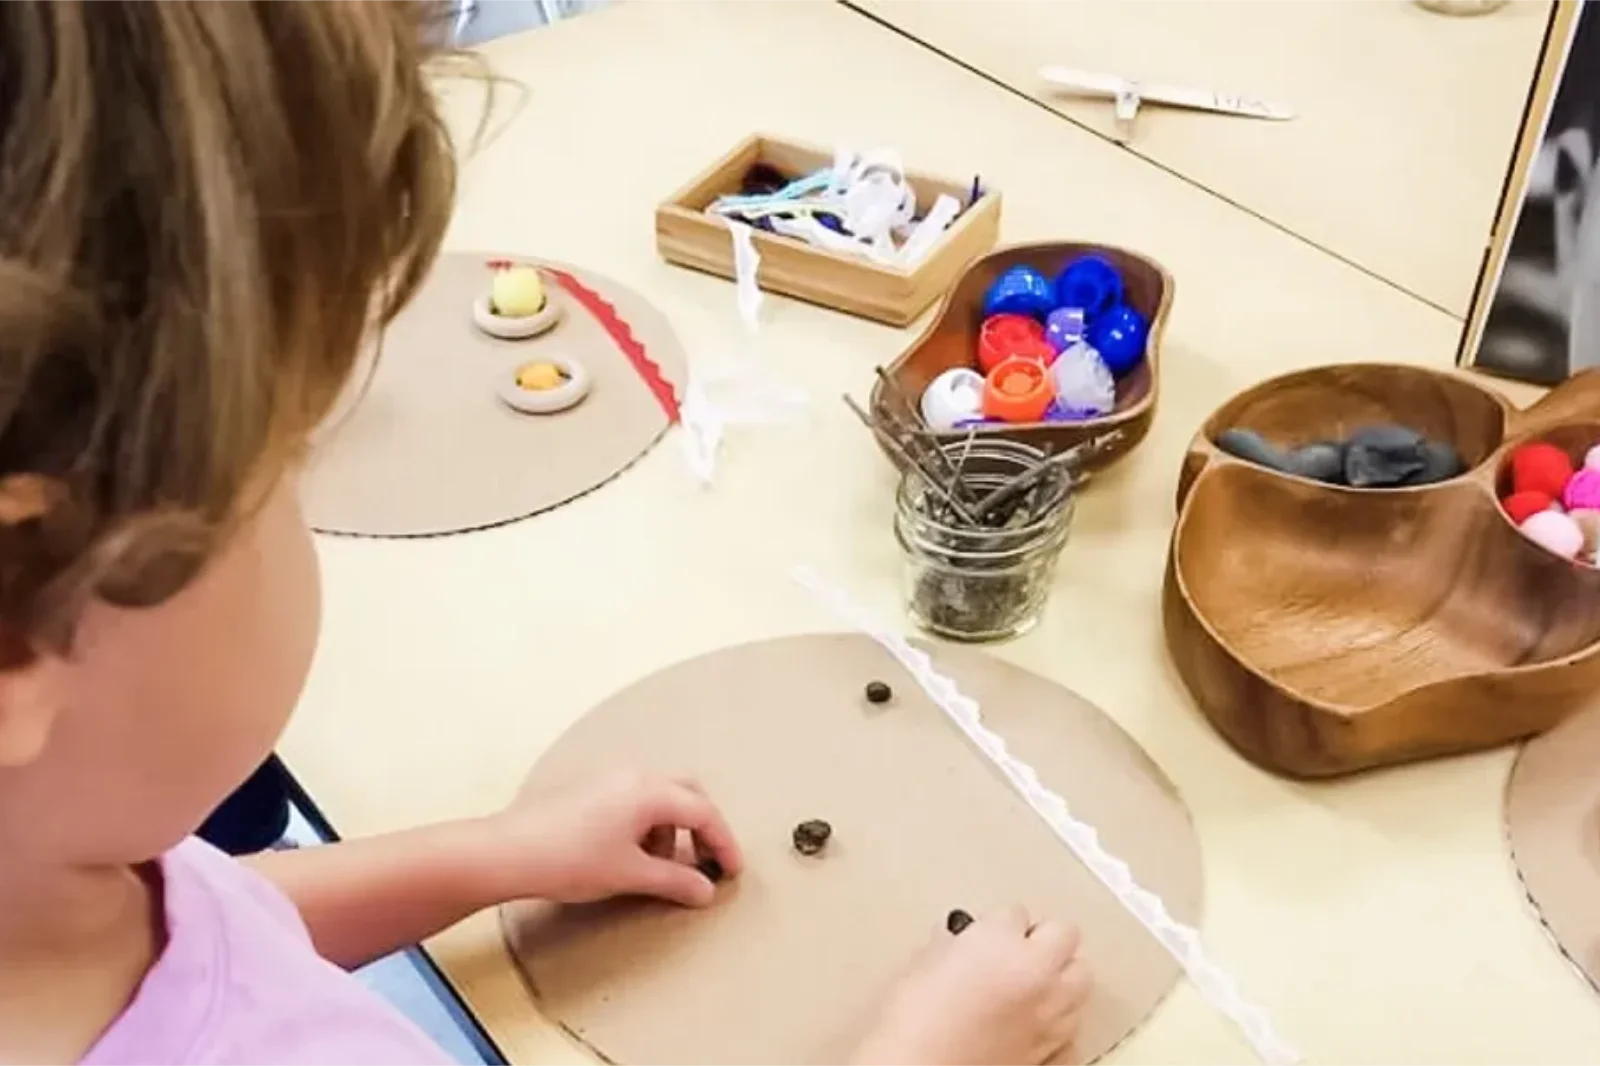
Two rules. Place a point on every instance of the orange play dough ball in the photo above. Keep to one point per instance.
(540, 377)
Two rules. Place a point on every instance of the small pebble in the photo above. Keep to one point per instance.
(711, 869)
(878, 692)
(812, 836)
(957, 920)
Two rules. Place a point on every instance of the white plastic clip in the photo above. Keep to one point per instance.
(1129, 95)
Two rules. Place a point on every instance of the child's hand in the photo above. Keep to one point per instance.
(616, 836)
(1003, 991)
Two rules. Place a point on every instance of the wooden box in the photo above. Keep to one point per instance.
(689, 237)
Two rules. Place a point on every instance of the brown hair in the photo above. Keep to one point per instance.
(205, 207)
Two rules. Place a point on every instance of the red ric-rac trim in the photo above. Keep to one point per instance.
(622, 333)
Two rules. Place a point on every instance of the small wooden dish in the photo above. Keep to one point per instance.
(1325, 630)
(551, 401)
(515, 327)
(952, 340)
(689, 237)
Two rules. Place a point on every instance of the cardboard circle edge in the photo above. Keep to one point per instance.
(655, 329)
(508, 916)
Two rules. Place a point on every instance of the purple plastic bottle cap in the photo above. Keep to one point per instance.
(1064, 327)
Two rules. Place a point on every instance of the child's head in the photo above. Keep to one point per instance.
(204, 209)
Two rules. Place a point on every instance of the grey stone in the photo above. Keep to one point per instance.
(1322, 461)
(1384, 456)
(1250, 446)
(1442, 463)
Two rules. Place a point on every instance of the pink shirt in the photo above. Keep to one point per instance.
(239, 982)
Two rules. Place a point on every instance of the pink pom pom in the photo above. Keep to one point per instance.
(1583, 491)
(1589, 522)
(1591, 458)
(1555, 532)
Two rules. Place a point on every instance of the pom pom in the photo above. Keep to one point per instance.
(1521, 506)
(1583, 491)
(1555, 532)
(1083, 382)
(1589, 523)
(1591, 458)
(1540, 466)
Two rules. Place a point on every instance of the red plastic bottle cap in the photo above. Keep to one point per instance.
(1003, 336)
(1017, 390)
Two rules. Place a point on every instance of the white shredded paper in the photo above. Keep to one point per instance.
(1209, 979)
(739, 392)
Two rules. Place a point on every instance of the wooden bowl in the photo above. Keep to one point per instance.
(1325, 629)
(952, 340)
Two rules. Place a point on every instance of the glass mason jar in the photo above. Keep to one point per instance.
(1461, 7)
(981, 584)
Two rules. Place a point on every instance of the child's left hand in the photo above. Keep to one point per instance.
(615, 836)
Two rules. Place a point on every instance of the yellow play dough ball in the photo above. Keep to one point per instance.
(517, 292)
(540, 377)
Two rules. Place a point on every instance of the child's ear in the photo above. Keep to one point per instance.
(30, 690)
(30, 701)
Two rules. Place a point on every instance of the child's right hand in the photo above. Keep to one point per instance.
(1003, 991)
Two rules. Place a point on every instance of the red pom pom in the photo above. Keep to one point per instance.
(1540, 467)
(1519, 505)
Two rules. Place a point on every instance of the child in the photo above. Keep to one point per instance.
(204, 209)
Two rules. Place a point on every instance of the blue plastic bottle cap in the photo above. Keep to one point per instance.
(1021, 290)
(1089, 282)
(1119, 335)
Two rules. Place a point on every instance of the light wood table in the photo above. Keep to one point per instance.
(1406, 120)
(1377, 919)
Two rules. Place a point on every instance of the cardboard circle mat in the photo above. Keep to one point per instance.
(787, 964)
(1553, 830)
(428, 447)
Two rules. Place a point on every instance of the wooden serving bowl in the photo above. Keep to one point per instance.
(952, 340)
(1325, 629)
